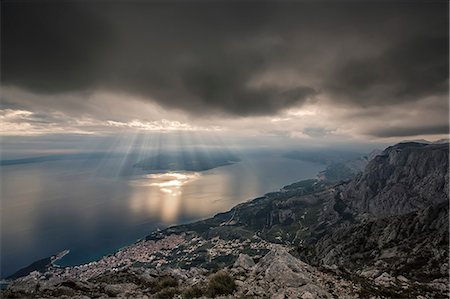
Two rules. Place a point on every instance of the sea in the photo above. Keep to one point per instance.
(93, 208)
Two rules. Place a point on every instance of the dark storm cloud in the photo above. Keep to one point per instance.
(411, 131)
(409, 70)
(48, 47)
(211, 56)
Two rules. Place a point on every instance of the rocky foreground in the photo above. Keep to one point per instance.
(383, 234)
(276, 274)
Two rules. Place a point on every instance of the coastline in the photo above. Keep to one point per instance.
(59, 256)
(66, 259)
(154, 235)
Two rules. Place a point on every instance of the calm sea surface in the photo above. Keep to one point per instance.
(89, 208)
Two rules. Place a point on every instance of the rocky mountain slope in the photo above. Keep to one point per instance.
(393, 217)
(383, 234)
(404, 178)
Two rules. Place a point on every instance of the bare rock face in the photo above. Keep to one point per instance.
(393, 218)
(277, 275)
(114, 290)
(283, 269)
(414, 244)
(280, 275)
(244, 261)
(406, 177)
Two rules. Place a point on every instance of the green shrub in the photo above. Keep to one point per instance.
(167, 293)
(161, 283)
(192, 292)
(167, 281)
(221, 283)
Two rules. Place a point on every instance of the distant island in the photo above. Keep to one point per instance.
(58, 157)
(187, 161)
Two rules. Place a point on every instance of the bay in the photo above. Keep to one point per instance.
(92, 209)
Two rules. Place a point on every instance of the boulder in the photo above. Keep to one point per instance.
(385, 280)
(244, 261)
(283, 269)
(114, 290)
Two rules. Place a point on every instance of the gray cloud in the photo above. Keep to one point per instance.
(49, 47)
(411, 131)
(408, 71)
(316, 131)
(205, 57)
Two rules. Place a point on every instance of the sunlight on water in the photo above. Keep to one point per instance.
(163, 193)
(172, 182)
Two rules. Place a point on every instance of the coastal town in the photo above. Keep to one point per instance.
(183, 260)
(184, 251)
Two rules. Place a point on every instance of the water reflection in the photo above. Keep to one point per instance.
(160, 194)
(171, 182)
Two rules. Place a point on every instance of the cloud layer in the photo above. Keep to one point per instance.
(293, 69)
(229, 58)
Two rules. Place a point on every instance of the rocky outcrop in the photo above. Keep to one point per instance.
(405, 178)
(392, 218)
(277, 275)
(244, 261)
(414, 245)
(280, 275)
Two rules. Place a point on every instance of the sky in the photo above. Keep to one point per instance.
(243, 72)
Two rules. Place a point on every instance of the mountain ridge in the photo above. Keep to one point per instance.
(361, 235)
